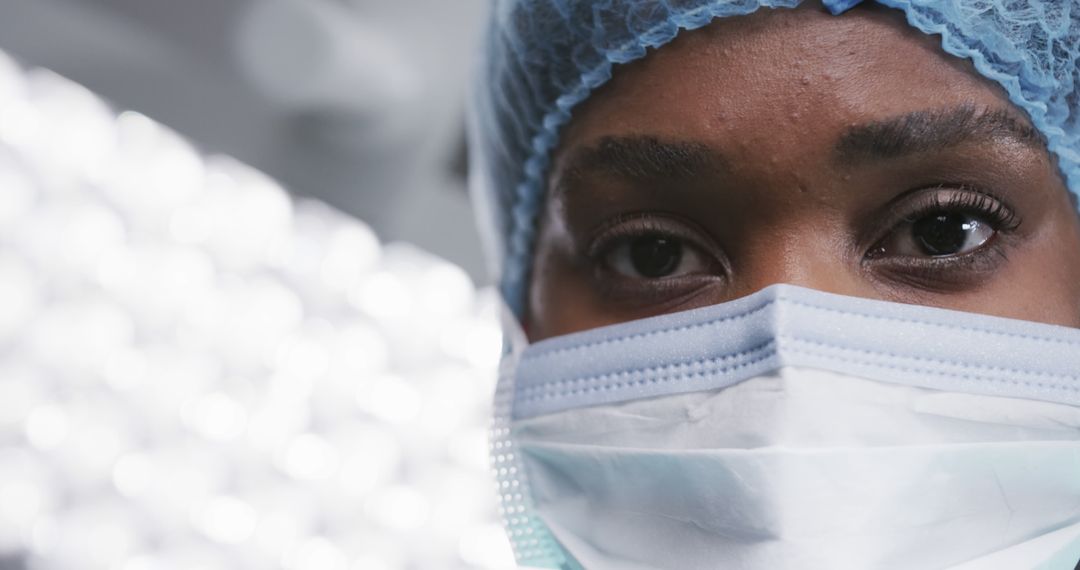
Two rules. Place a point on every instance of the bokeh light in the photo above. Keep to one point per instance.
(199, 372)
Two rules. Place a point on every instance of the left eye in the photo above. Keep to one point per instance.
(654, 256)
(939, 234)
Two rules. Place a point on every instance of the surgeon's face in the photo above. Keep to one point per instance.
(846, 154)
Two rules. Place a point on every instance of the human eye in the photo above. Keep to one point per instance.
(646, 256)
(944, 233)
(654, 256)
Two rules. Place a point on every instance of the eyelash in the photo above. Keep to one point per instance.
(626, 227)
(969, 201)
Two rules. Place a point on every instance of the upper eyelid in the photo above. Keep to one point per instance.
(908, 206)
(665, 225)
(975, 201)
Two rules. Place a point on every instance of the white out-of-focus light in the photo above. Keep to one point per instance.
(145, 562)
(156, 282)
(11, 79)
(371, 562)
(383, 295)
(43, 536)
(470, 447)
(302, 357)
(100, 534)
(125, 369)
(134, 474)
(216, 416)
(248, 318)
(24, 497)
(477, 342)
(154, 171)
(278, 419)
(47, 427)
(85, 232)
(399, 507)
(191, 225)
(316, 554)
(20, 393)
(252, 214)
(181, 479)
(96, 438)
(18, 196)
(171, 376)
(389, 398)
(270, 309)
(350, 253)
(446, 290)
(197, 375)
(485, 546)
(76, 129)
(275, 534)
(18, 295)
(79, 337)
(361, 351)
(20, 501)
(309, 457)
(19, 123)
(188, 553)
(227, 520)
(371, 458)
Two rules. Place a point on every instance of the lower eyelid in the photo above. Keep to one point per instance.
(943, 273)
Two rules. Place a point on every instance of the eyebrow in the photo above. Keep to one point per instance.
(929, 131)
(643, 158)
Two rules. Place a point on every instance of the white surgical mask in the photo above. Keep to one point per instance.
(794, 429)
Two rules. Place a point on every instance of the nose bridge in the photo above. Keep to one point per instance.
(807, 255)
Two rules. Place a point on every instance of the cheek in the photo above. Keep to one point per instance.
(560, 299)
(1060, 261)
(1068, 273)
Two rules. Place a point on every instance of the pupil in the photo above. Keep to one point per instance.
(655, 256)
(942, 234)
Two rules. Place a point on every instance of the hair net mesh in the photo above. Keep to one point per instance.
(544, 57)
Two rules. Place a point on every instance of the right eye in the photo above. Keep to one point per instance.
(939, 234)
(654, 256)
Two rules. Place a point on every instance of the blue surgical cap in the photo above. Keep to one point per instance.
(544, 57)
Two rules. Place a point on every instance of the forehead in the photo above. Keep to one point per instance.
(781, 77)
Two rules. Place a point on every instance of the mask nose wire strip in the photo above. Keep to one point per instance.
(722, 345)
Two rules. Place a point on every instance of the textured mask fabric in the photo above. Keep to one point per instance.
(800, 468)
(793, 429)
(544, 57)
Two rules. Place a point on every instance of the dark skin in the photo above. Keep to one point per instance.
(845, 154)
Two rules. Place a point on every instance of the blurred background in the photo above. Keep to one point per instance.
(244, 317)
(358, 103)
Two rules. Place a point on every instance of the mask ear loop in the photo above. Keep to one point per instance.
(515, 341)
(534, 544)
